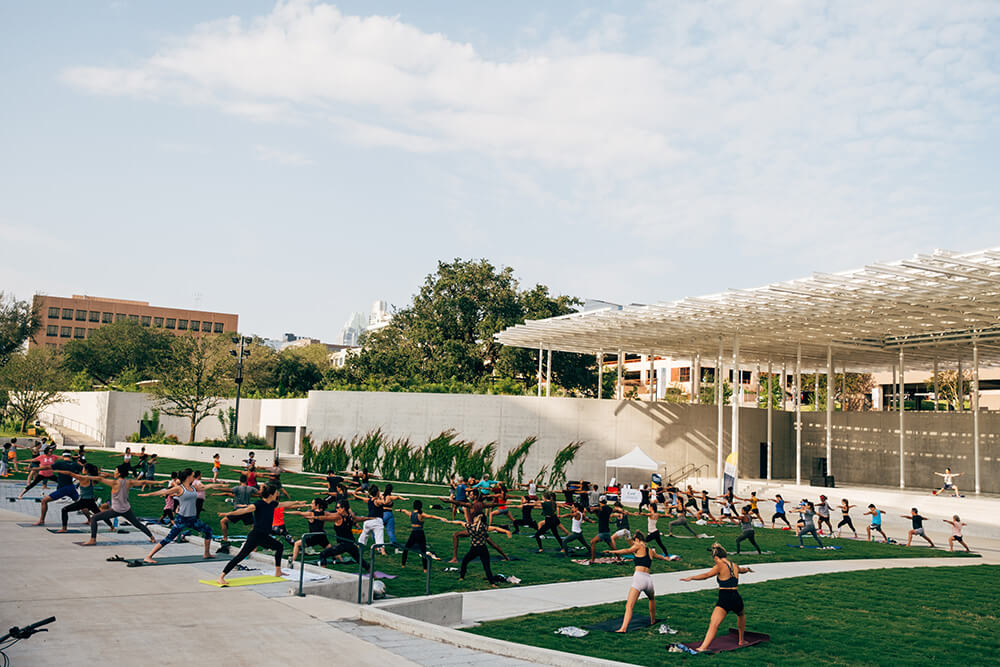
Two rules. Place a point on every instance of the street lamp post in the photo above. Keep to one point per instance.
(241, 354)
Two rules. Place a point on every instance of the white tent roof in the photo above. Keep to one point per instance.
(933, 305)
(634, 459)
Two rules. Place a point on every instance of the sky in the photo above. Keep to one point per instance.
(293, 162)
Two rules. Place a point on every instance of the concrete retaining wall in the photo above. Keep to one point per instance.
(228, 456)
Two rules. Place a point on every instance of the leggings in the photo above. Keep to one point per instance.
(282, 532)
(810, 530)
(86, 504)
(418, 542)
(655, 537)
(344, 547)
(483, 554)
(780, 515)
(35, 482)
(128, 515)
(575, 537)
(254, 540)
(527, 523)
(187, 524)
(747, 536)
(682, 521)
(551, 524)
(846, 521)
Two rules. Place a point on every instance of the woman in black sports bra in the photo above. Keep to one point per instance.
(729, 597)
(642, 581)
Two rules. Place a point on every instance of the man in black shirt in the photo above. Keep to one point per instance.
(918, 526)
(604, 514)
(64, 483)
(260, 534)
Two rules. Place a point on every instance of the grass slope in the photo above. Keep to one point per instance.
(920, 616)
(532, 568)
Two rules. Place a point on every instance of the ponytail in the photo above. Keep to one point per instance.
(718, 551)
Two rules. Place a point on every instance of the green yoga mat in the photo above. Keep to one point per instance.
(171, 560)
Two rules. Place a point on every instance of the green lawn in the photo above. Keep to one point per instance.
(532, 568)
(920, 616)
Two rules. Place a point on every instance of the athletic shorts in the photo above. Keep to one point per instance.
(604, 537)
(730, 601)
(643, 582)
(246, 519)
(958, 538)
(877, 526)
(63, 492)
(624, 532)
(503, 511)
(949, 486)
(918, 531)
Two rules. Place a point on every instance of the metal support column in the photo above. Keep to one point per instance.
(720, 398)
(892, 393)
(902, 426)
(540, 353)
(959, 390)
(548, 375)
(652, 380)
(975, 411)
(829, 409)
(784, 379)
(937, 386)
(735, 430)
(619, 387)
(696, 379)
(798, 414)
(770, 400)
(600, 374)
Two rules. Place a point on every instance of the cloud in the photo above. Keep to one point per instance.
(269, 154)
(682, 122)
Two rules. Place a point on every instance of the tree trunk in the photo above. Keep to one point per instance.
(193, 427)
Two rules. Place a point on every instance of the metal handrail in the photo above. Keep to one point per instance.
(684, 472)
(371, 568)
(76, 425)
(302, 559)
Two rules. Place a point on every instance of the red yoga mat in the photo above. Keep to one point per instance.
(730, 642)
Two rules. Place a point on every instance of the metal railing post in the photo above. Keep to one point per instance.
(302, 560)
(371, 571)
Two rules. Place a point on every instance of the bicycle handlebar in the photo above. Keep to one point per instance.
(28, 630)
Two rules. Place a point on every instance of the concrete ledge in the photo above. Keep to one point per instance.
(541, 656)
(442, 609)
(228, 455)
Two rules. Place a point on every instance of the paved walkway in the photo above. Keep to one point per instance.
(163, 615)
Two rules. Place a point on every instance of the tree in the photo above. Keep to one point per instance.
(706, 394)
(194, 377)
(297, 371)
(19, 321)
(948, 387)
(114, 348)
(445, 338)
(33, 380)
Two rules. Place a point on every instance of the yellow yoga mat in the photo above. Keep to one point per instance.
(244, 581)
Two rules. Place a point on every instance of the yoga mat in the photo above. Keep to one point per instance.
(730, 642)
(172, 560)
(244, 581)
(813, 546)
(113, 543)
(495, 557)
(49, 526)
(638, 622)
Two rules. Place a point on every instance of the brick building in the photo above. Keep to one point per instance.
(68, 318)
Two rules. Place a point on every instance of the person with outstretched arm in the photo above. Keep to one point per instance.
(260, 534)
(729, 597)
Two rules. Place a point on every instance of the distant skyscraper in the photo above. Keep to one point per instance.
(358, 323)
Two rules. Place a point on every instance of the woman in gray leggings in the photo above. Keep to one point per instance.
(120, 506)
(808, 523)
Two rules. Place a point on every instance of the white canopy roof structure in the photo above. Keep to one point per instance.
(635, 459)
(932, 305)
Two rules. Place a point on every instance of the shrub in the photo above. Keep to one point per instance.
(438, 456)
(512, 470)
(563, 458)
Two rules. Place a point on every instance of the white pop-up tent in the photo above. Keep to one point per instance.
(636, 459)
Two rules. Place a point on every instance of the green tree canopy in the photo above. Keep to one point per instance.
(114, 348)
(446, 335)
(193, 377)
(19, 320)
(33, 380)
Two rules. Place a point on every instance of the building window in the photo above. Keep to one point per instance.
(79, 332)
(195, 325)
(146, 319)
(158, 322)
(133, 318)
(81, 316)
(95, 316)
(120, 317)
(182, 325)
(52, 330)
(65, 332)
(218, 327)
(171, 323)
(54, 313)
(90, 332)
(685, 374)
(107, 318)
(67, 313)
